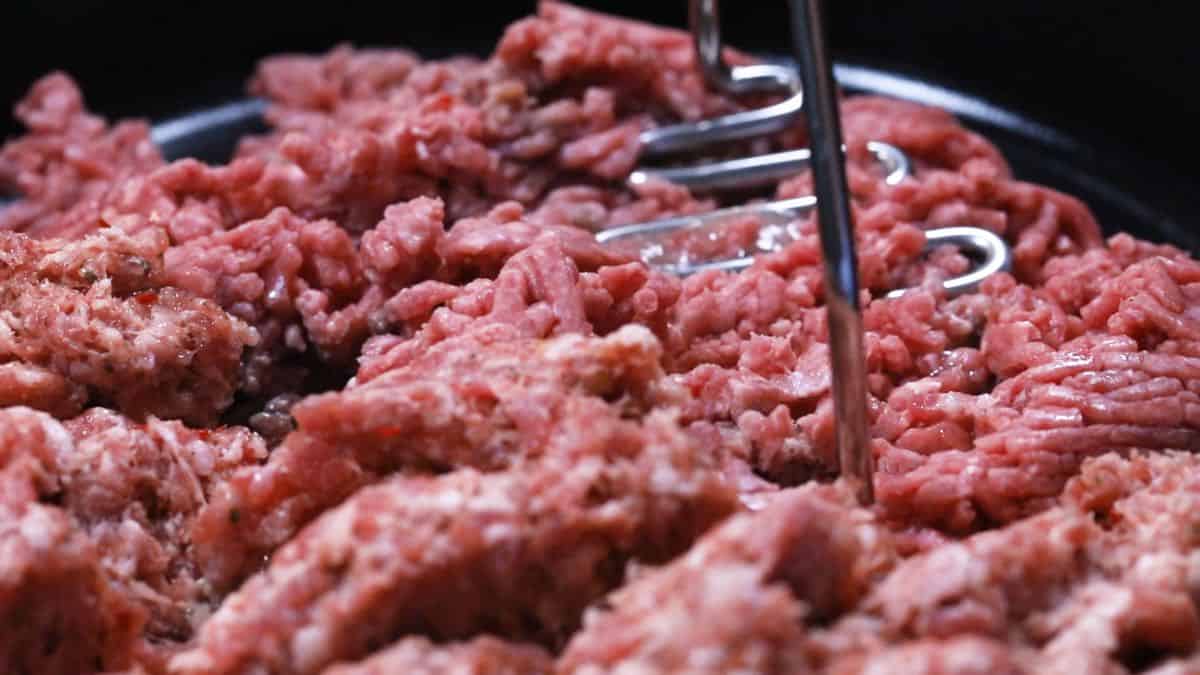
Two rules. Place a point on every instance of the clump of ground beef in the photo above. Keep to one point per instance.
(370, 397)
(92, 319)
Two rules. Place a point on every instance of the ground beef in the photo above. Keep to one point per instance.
(954, 656)
(24, 384)
(1100, 583)
(106, 503)
(1097, 584)
(136, 489)
(58, 609)
(374, 382)
(481, 656)
(67, 161)
(519, 553)
(736, 602)
(91, 318)
(561, 102)
(1117, 373)
(486, 399)
(288, 278)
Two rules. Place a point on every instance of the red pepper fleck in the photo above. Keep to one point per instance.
(389, 432)
(146, 297)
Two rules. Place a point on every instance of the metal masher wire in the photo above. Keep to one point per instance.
(764, 169)
(836, 227)
(826, 158)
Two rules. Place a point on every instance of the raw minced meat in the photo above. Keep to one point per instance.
(737, 601)
(60, 612)
(488, 399)
(371, 396)
(481, 656)
(1103, 582)
(519, 553)
(91, 318)
(97, 513)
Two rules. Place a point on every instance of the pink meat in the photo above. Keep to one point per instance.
(356, 131)
(95, 521)
(1118, 373)
(956, 656)
(24, 384)
(463, 416)
(809, 585)
(298, 283)
(1088, 584)
(67, 161)
(136, 489)
(519, 553)
(59, 611)
(93, 312)
(486, 399)
(481, 656)
(737, 601)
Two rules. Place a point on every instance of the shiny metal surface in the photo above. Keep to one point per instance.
(995, 254)
(758, 170)
(760, 78)
(779, 220)
(836, 227)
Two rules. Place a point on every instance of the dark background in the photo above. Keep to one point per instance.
(1116, 75)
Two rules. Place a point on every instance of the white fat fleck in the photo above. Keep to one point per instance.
(632, 333)
(58, 438)
(10, 325)
(754, 501)
(278, 291)
(168, 434)
(26, 376)
(38, 529)
(664, 478)
(967, 661)
(449, 500)
(171, 447)
(974, 469)
(498, 532)
(203, 458)
(563, 347)
(706, 658)
(624, 669)
(960, 570)
(867, 537)
(194, 661)
(612, 510)
(1160, 569)
(339, 531)
(126, 565)
(108, 462)
(146, 361)
(1095, 628)
(310, 649)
